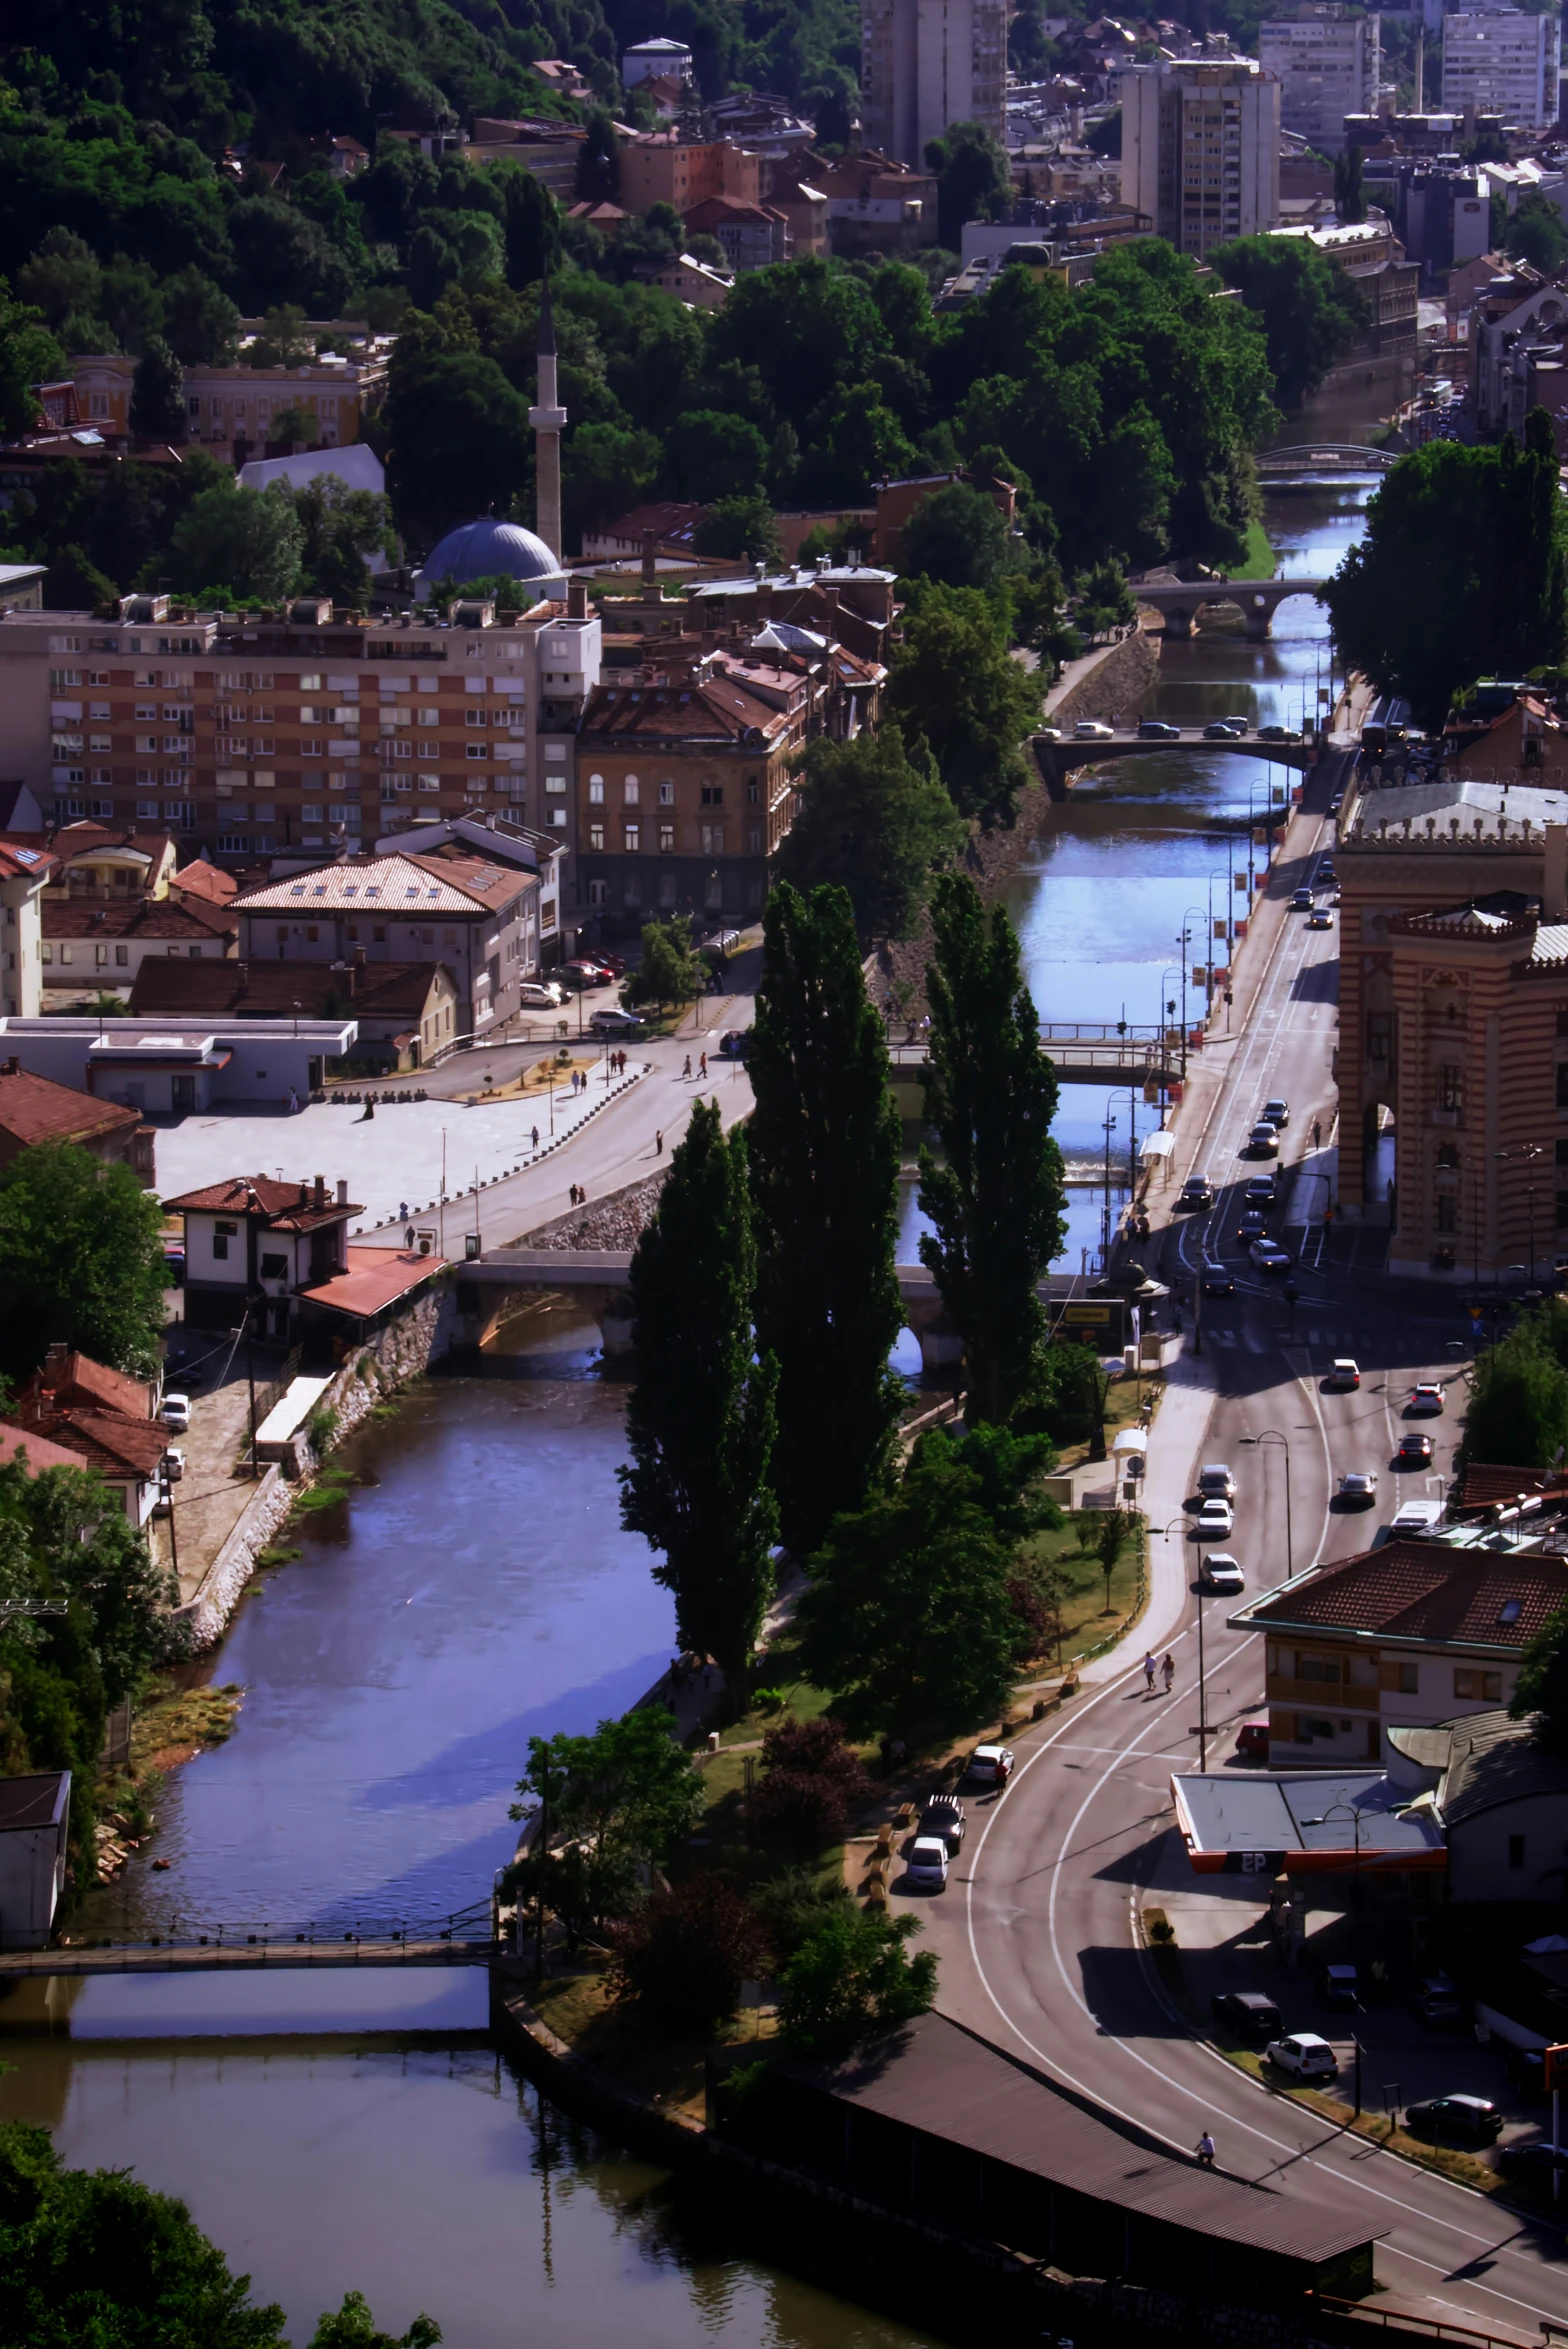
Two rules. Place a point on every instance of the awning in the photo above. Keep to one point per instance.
(1157, 1145)
(1132, 1439)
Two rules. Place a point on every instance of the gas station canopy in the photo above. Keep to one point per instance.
(1306, 1822)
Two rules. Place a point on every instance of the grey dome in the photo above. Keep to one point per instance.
(488, 549)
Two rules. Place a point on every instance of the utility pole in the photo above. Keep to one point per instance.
(250, 1380)
(544, 1862)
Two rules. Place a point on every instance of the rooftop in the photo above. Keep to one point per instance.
(1483, 1761)
(36, 1109)
(1305, 1821)
(285, 1207)
(258, 989)
(1425, 1591)
(460, 883)
(374, 1279)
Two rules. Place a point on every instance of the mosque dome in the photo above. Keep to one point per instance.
(491, 549)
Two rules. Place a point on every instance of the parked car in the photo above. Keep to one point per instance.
(1535, 2162)
(539, 995)
(1196, 1191)
(615, 1023)
(1320, 918)
(1474, 2117)
(1215, 1518)
(174, 1264)
(1301, 900)
(1340, 1986)
(1305, 2056)
(1359, 1486)
(1050, 734)
(1092, 730)
(1263, 1142)
(1253, 1225)
(735, 1043)
(1221, 1572)
(944, 1816)
(992, 1765)
(579, 977)
(1215, 1477)
(1269, 1256)
(1277, 1111)
(1262, 1190)
(615, 964)
(173, 1467)
(926, 1865)
(1436, 1999)
(176, 1413)
(1346, 1372)
(1248, 2013)
(1428, 1396)
(1157, 730)
(1218, 1279)
(1252, 1740)
(1415, 1449)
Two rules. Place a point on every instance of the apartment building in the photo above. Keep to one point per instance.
(1371, 256)
(1200, 150)
(25, 867)
(667, 167)
(1506, 61)
(229, 408)
(926, 64)
(876, 204)
(287, 734)
(1327, 60)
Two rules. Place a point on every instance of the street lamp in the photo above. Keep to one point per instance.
(1203, 1709)
(1272, 1435)
(1528, 1153)
(1322, 1820)
(1194, 913)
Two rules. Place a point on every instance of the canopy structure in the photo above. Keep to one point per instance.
(1132, 1439)
(1157, 1145)
(1306, 1822)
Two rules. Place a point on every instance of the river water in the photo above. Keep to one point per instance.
(477, 1588)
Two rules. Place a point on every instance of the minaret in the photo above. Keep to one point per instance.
(548, 421)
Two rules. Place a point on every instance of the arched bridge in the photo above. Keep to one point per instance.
(1322, 456)
(1057, 760)
(1258, 600)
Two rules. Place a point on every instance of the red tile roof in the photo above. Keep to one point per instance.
(285, 1206)
(375, 1278)
(68, 1377)
(1484, 1485)
(21, 860)
(36, 1109)
(37, 1452)
(199, 879)
(110, 1441)
(166, 986)
(1423, 1590)
(137, 917)
(714, 711)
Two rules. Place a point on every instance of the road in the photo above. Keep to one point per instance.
(1036, 1933)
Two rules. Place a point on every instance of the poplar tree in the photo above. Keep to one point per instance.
(701, 1417)
(995, 1198)
(824, 1149)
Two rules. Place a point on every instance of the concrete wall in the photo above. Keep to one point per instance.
(1481, 1852)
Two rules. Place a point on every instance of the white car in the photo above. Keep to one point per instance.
(1305, 2056)
(173, 1466)
(1360, 1485)
(1222, 1572)
(1269, 1256)
(927, 1862)
(176, 1413)
(992, 1764)
(1426, 1397)
(539, 995)
(1346, 1373)
(1093, 730)
(615, 1023)
(1216, 1517)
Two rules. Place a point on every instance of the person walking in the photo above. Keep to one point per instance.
(658, 1143)
(686, 1071)
(1205, 2151)
(536, 1137)
(1317, 1132)
(1149, 1669)
(1168, 1668)
(702, 1066)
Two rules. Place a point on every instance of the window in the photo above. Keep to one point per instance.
(1451, 1086)
(632, 791)
(476, 718)
(666, 795)
(713, 892)
(1379, 1030)
(597, 892)
(713, 795)
(274, 1268)
(754, 841)
(753, 792)
(1472, 1683)
(478, 750)
(666, 839)
(1516, 1851)
(667, 889)
(633, 839)
(220, 1246)
(632, 892)
(122, 956)
(1447, 1212)
(596, 835)
(712, 837)
(430, 718)
(60, 680)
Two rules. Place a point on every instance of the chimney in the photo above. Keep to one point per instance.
(1554, 877)
(577, 599)
(321, 1193)
(764, 600)
(342, 1190)
(650, 562)
(304, 1194)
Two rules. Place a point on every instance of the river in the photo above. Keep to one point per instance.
(333, 2133)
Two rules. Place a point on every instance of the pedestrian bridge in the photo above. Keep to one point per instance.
(1327, 456)
(1180, 602)
(466, 1938)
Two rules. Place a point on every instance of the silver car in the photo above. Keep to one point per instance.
(926, 1866)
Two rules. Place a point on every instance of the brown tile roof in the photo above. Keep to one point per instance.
(86, 839)
(285, 1206)
(1484, 1486)
(375, 1277)
(136, 918)
(110, 1441)
(1423, 1590)
(21, 859)
(70, 1378)
(36, 1109)
(199, 879)
(36, 1452)
(270, 990)
(716, 711)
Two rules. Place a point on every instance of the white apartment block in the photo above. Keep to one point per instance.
(1327, 63)
(1503, 62)
(926, 64)
(1200, 150)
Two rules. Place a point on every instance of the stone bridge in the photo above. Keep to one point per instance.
(1059, 760)
(1258, 600)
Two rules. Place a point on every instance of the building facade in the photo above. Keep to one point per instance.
(230, 408)
(1200, 150)
(1505, 61)
(25, 866)
(926, 64)
(1327, 60)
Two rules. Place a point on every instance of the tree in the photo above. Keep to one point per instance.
(700, 1421)
(63, 279)
(812, 1779)
(685, 1952)
(851, 1976)
(972, 179)
(82, 1246)
(1110, 1538)
(995, 1199)
(295, 425)
(958, 537)
(823, 1149)
(459, 439)
(598, 175)
(605, 472)
(1518, 1411)
(248, 540)
(906, 1618)
(283, 341)
(620, 1801)
(1460, 573)
(200, 323)
(740, 529)
(1104, 600)
(710, 455)
(29, 354)
(956, 686)
(876, 821)
(1349, 196)
(1542, 1686)
(1309, 310)
(669, 970)
(340, 527)
(1534, 232)
(73, 584)
(94, 2255)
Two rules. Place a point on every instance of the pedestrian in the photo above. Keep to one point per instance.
(1149, 1670)
(1169, 1670)
(658, 1143)
(703, 1067)
(536, 1137)
(408, 1239)
(1317, 1132)
(293, 1100)
(686, 1071)
(1205, 2151)
(402, 1211)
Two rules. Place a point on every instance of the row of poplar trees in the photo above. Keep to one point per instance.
(765, 1292)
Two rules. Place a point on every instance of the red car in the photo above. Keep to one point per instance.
(1252, 1741)
(582, 974)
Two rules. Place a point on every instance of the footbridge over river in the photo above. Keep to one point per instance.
(1180, 601)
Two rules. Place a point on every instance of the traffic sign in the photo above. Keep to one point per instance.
(1555, 2066)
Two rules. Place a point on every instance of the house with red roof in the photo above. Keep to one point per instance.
(35, 1109)
(77, 1413)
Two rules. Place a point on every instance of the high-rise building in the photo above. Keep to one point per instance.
(1200, 150)
(1327, 61)
(1503, 62)
(927, 63)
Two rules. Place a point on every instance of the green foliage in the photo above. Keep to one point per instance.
(906, 1617)
(339, 527)
(684, 1954)
(157, 410)
(740, 529)
(353, 2327)
(823, 1150)
(669, 970)
(972, 179)
(1534, 232)
(1349, 195)
(799, 1900)
(852, 1975)
(82, 1247)
(246, 539)
(700, 1421)
(598, 179)
(874, 819)
(1105, 600)
(1460, 573)
(1517, 1416)
(459, 438)
(620, 1800)
(957, 537)
(956, 687)
(995, 1200)
(1542, 1687)
(29, 354)
(1308, 309)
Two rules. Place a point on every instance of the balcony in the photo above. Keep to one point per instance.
(1324, 1696)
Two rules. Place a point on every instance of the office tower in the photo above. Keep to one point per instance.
(926, 64)
(1327, 63)
(1200, 150)
(1503, 62)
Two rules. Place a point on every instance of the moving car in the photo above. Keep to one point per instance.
(1301, 900)
(1345, 1373)
(580, 976)
(1253, 1224)
(537, 995)
(1215, 1517)
(1252, 1740)
(1279, 733)
(1320, 918)
(1262, 1190)
(1340, 1986)
(1415, 1449)
(735, 1043)
(1305, 2055)
(944, 1816)
(1224, 729)
(1269, 1256)
(1474, 2117)
(1426, 1397)
(991, 1764)
(1263, 1140)
(1248, 2013)
(176, 1413)
(1436, 1999)
(1360, 1486)
(1277, 1111)
(1222, 1572)
(1156, 730)
(615, 1023)
(926, 1865)
(1092, 730)
(174, 1262)
(1196, 1191)
(1218, 1279)
(1215, 1478)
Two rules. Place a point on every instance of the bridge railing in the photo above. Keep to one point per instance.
(470, 1927)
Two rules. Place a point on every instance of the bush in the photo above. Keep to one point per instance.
(321, 1427)
(685, 1953)
(811, 1781)
(796, 1903)
(851, 1976)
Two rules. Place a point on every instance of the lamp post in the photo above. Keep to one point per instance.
(1272, 1435)
(1203, 1708)
(1527, 1153)
(1167, 1013)
(1322, 1820)
(1194, 913)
